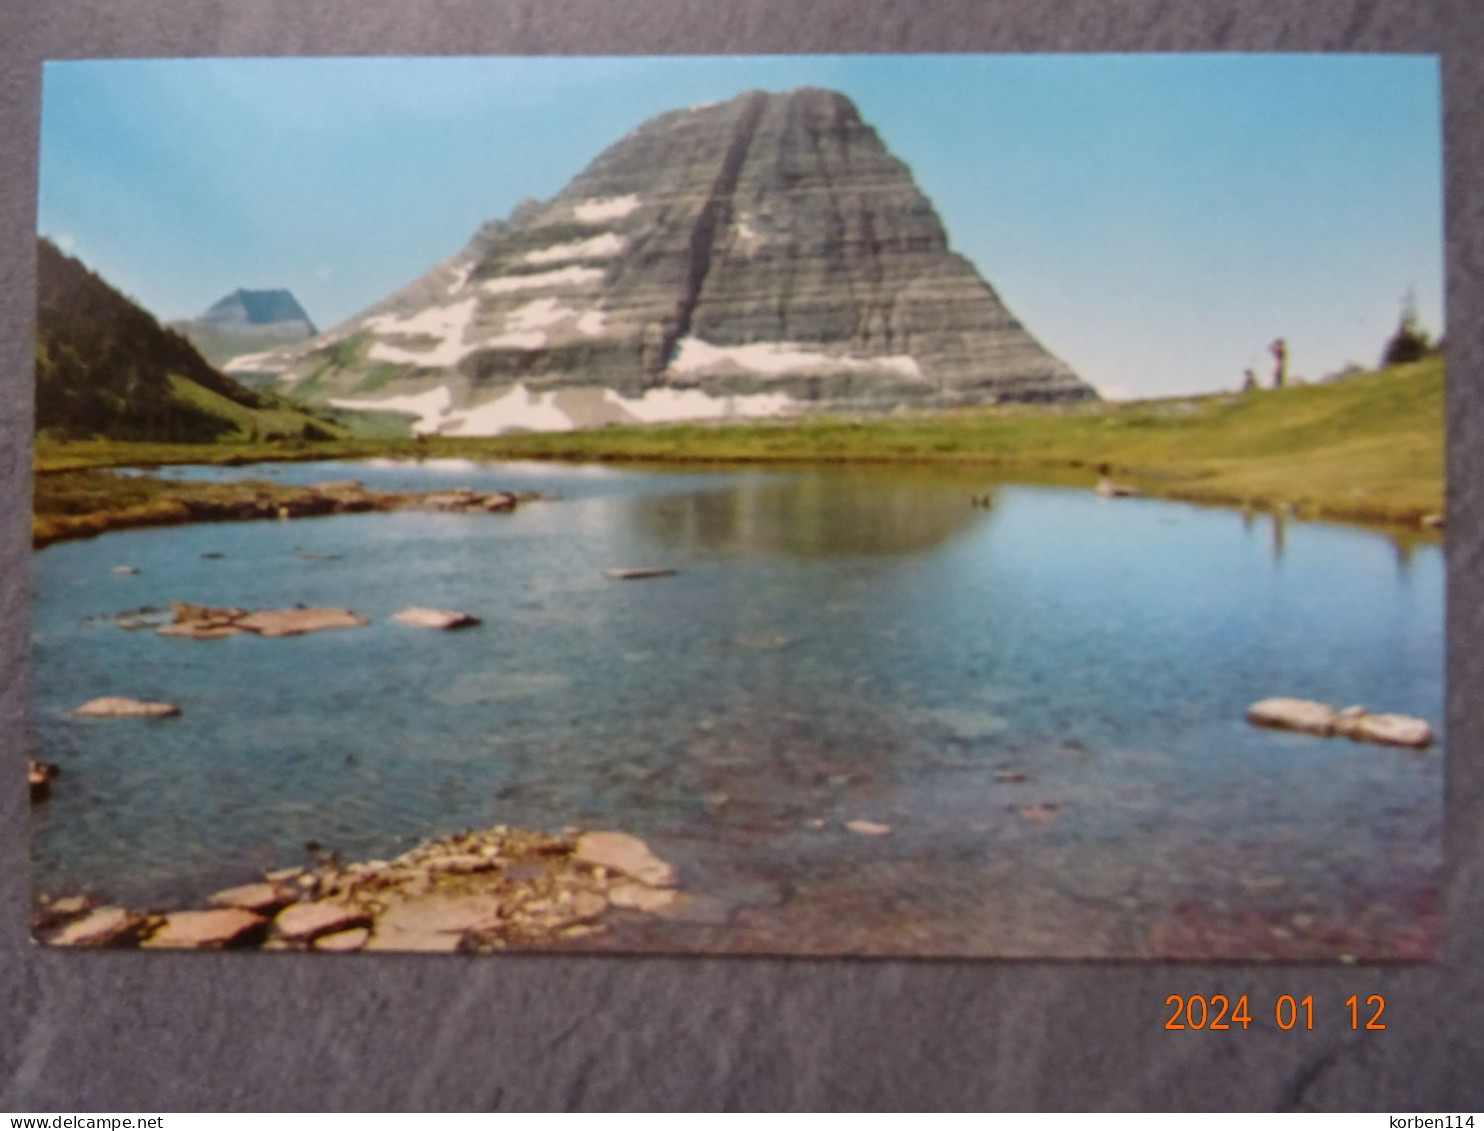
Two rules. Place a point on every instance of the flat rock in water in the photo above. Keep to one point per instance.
(342, 941)
(125, 570)
(1347, 722)
(420, 617)
(868, 828)
(638, 574)
(107, 926)
(1393, 730)
(118, 707)
(208, 930)
(1302, 715)
(625, 854)
(295, 622)
(188, 631)
(305, 921)
(263, 898)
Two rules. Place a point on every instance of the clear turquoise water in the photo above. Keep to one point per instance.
(837, 644)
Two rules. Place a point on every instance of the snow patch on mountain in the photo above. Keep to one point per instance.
(447, 322)
(696, 357)
(606, 208)
(661, 405)
(538, 314)
(605, 246)
(566, 277)
(517, 409)
(429, 408)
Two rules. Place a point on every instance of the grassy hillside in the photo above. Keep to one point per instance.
(106, 369)
(1368, 448)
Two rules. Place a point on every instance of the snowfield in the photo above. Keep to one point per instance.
(429, 407)
(661, 406)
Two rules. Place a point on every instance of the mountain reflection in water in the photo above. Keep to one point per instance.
(1043, 700)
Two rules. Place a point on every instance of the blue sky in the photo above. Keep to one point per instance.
(1155, 220)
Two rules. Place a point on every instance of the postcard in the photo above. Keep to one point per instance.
(917, 506)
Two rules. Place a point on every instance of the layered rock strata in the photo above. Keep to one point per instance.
(750, 258)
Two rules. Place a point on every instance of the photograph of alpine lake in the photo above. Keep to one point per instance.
(915, 506)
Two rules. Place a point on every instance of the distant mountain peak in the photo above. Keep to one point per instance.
(247, 323)
(106, 368)
(257, 308)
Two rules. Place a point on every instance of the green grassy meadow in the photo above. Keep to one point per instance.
(1368, 448)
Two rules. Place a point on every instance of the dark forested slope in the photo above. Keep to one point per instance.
(106, 368)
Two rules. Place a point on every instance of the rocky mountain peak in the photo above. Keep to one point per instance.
(247, 324)
(762, 255)
(256, 308)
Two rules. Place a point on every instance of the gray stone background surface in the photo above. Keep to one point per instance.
(161, 1032)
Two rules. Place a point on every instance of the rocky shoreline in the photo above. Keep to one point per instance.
(471, 892)
(177, 504)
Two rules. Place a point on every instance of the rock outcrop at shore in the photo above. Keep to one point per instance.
(255, 500)
(474, 891)
(755, 257)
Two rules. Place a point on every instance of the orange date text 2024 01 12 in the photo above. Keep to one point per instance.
(1218, 1011)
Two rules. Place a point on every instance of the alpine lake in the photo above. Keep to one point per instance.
(1041, 699)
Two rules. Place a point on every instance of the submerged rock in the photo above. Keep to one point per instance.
(420, 617)
(641, 897)
(639, 573)
(868, 828)
(118, 707)
(628, 855)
